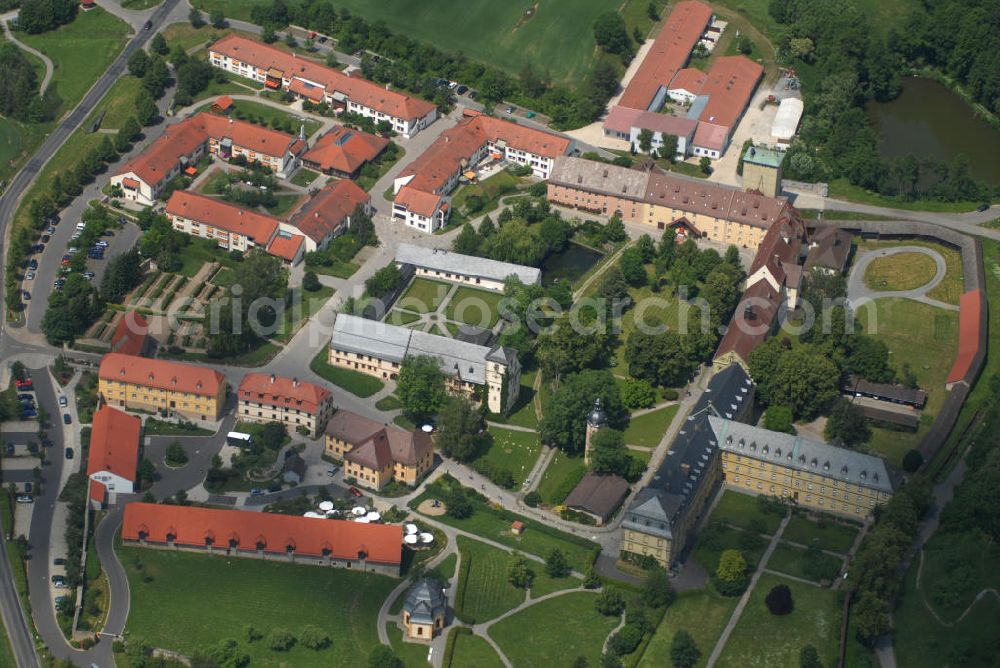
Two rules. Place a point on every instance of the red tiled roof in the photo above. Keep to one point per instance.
(131, 183)
(98, 492)
(345, 150)
(623, 119)
(300, 87)
(417, 201)
(114, 443)
(351, 427)
(223, 215)
(324, 213)
(190, 526)
(405, 447)
(355, 88)
(223, 103)
(749, 327)
(690, 79)
(286, 246)
(283, 392)
(131, 334)
(969, 322)
(729, 84)
(668, 53)
(711, 136)
(374, 453)
(160, 374)
(182, 139)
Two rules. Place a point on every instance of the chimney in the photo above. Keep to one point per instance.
(272, 377)
(295, 382)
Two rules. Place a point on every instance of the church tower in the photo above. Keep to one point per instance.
(595, 420)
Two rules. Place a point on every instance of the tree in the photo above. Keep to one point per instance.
(384, 281)
(847, 424)
(462, 431)
(652, 12)
(779, 418)
(663, 359)
(803, 378)
(556, 565)
(156, 77)
(632, 266)
(314, 637)
(138, 63)
(615, 229)
(608, 455)
(565, 420)
(158, 44)
(176, 455)
(610, 33)
(123, 273)
(779, 600)
(467, 241)
(383, 657)
(744, 45)
(146, 111)
(912, 461)
(705, 164)
(280, 640)
(310, 282)
(610, 602)
(457, 504)
(731, 577)
(519, 574)
(638, 393)
(613, 288)
(657, 591)
(809, 658)
(684, 653)
(420, 387)
(218, 19)
(569, 349)
(645, 140)
(194, 16)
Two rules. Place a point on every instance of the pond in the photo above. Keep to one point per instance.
(569, 265)
(928, 120)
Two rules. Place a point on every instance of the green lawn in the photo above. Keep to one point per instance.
(561, 475)
(490, 191)
(397, 317)
(761, 639)
(791, 560)
(559, 35)
(169, 607)
(516, 451)
(471, 650)
(262, 114)
(6, 651)
(414, 655)
(741, 509)
(716, 538)
(389, 403)
(118, 105)
(647, 430)
(474, 307)
(950, 289)
(161, 428)
(337, 268)
(902, 271)
(484, 592)
(702, 613)
(285, 203)
(423, 295)
(354, 382)
(303, 177)
(301, 310)
(523, 413)
(841, 189)
(80, 52)
(828, 535)
(554, 632)
(213, 183)
(926, 338)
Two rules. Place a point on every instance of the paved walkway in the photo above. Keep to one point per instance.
(858, 290)
(735, 618)
(47, 78)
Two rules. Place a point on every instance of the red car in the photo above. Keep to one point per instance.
(355, 491)
(24, 384)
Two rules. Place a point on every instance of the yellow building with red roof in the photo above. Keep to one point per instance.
(154, 385)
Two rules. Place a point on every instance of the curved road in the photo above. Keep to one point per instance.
(857, 289)
(24, 47)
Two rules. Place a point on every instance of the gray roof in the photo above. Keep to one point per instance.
(801, 453)
(424, 601)
(394, 343)
(438, 259)
(599, 495)
(599, 177)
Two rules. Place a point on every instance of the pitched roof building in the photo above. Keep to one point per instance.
(829, 248)
(343, 151)
(293, 402)
(375, 453)
(424, 610)
(153, 385)
(113, 455)
(441, 264)
(318, 83)
(328, 213)
(599, 496)
(132, 336)
(241, 533)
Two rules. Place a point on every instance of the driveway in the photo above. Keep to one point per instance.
(858, 291)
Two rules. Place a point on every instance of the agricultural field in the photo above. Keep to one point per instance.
(483, 589)
(168, 607)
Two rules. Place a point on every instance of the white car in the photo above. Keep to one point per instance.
(62, 401)
(30, 276)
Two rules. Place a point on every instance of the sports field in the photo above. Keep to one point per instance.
(557, 38)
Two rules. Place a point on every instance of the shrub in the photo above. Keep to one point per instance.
(912, 461)
(532, 499)
(670, 394)
(779, 600)
(610, 603)
(731, 578)
(314, 637)
(625, 641)
(638, 394)
(280, 640)
(684, 653)
(310, 282)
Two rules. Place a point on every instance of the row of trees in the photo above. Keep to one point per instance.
(38, 16)
(19, 87)
(416, 66)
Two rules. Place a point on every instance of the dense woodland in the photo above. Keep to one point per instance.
(845, 61)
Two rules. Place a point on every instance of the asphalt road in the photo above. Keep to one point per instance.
(13, 615)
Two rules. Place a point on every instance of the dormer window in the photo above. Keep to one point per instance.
(864, 475)
(843, 470)
(802, 459)
(777, 452)
(765, 449)
(826, 466)
(814, 462)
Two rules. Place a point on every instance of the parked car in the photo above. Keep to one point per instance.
(46, 239)
(59, 283)
(102, 243)
(73, 250)
(147, 25)
(62, 400)
(58, 581)
(25, 295)
(38, 248)
(59, 561)
(462, 90)
(256, 491)
(89, 275)
(322, 39)
(69, 453)
(30, 276)
(28, 487)
(33, 264)
(452, 84)
(51, 229)
(67, 419)
(111, 233)
(332, 471)
(473, 95)
(25, 498)
(26, 397)
(30, 413)
(355, 491)
(983, 207)
(25, 384)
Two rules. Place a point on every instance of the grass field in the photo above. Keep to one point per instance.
(354, 382)
(702, 613)
(828, 535)
(414, 655)
(474, 307)
(397, 317)
(648, 429)
(791, 560)
(304, 305)
(761, 639)
(558, 39)
(903, 271)
(841, 189)
(528, 637)
(303, 177)
(471, 650)
(486, 592)
(950, 289)
(926, 338)
(741, 509)
(262, 114)
(80, 51)
(523, 413)
(423, 295)
(516, 451)
(560, 469)
(169, 608)
(490, 190)
(716, 538)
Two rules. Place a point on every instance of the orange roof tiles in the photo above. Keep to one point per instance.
(160, 374)
(417, 201)
(358, 90)
(969, 322)
(690, 79)
(225, 216)
(286, 246)
(98, 492)
(728, 85)
(668, 53)
(325, 213)
(300, 87)
(191, 526)
(182, 139)
(345, 150)
(282, 392)
(223, 103)
(752, 321)
(114, 443)
(131, 334)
